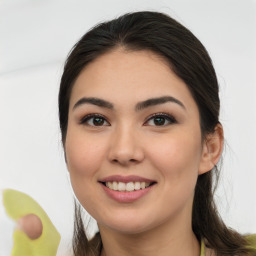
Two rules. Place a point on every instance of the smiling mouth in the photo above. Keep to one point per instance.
(127, 187)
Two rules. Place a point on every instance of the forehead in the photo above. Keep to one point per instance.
(129, 76)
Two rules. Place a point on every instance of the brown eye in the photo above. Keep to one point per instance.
(94, 120)
(161, 119)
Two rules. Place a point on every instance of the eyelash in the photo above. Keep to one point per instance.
(166, 116)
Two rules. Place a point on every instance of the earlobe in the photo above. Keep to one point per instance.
(212, 149)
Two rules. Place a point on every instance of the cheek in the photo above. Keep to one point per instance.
(80, 154)
(177, 160)
(177, 157)
(84, 157)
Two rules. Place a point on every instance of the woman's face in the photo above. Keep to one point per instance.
(133, 145)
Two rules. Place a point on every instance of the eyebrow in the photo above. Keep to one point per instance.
(139, 106)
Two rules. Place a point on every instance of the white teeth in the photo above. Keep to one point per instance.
(137, 185)
(110, 185)
(121, 186)
(130, 186)
(115, 185)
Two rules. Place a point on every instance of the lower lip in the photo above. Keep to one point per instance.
(126, 197)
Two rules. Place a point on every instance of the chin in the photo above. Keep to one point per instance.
(128, 229)
(129, 226)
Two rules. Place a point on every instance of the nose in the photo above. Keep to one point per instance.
(126, 147)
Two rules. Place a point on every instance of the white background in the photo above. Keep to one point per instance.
(35, 37)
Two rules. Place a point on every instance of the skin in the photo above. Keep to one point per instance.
(128, 142)
(31, 225)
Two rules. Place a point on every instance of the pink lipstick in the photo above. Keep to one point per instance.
(126, 189)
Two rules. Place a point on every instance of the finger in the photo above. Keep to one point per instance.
(31, 225)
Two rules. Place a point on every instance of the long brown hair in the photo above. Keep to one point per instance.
(190, 61)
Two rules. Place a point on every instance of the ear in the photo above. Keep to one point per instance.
(212, 149)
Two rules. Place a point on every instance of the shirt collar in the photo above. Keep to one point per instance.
(202, 248)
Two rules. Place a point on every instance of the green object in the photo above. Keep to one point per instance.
(17, 205)
(202, 248)
(251, 239)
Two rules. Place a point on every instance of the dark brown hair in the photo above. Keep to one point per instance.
(188, 58)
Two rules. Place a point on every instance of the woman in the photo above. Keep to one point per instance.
(139, 106)
(139, 116)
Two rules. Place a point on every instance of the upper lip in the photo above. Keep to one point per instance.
(126, 179)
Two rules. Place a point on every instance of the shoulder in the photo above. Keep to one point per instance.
(252, 241)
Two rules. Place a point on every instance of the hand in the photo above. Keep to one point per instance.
(31, 225)
(35, 234)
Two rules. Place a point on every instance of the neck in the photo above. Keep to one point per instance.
(165, 240)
